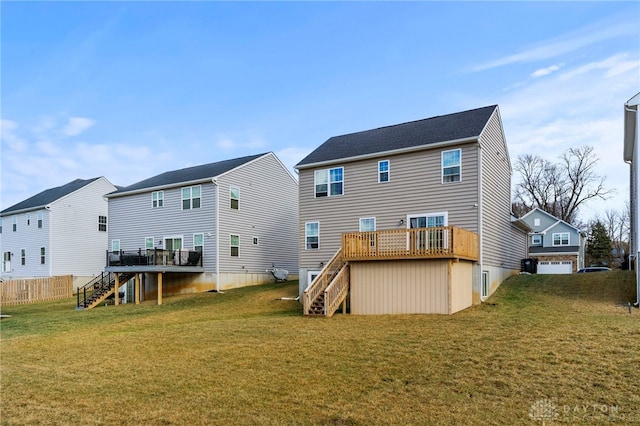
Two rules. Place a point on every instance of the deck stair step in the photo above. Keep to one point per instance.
(100, 288)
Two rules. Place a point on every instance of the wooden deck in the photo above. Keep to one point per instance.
(420, 243)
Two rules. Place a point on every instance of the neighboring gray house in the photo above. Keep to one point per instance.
(409, 218)
(209, 227)
(558, 245)
(60, 231)
(632, 157)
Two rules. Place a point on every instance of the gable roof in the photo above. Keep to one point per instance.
(459, 126)
(189, 174)
(48, 196)
(557, 221)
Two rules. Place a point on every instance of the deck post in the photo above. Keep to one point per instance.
(159, 288)
(136, 290)
(117, 290)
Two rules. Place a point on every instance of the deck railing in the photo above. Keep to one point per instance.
(322, 281)
(154, 257)
(415, 243)
(336, 292)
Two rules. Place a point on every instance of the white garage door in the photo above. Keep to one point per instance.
(555, 267)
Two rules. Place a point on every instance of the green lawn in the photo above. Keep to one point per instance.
(566, 344)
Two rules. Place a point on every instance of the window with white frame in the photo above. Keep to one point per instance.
(157, 199)
(42, 255)
(451, 165)
(536, 239)
(329, 182)
(536, 222)
(367, 224)
(383, 171)
(312, 235)
(40, 216)
(0, 225)
(28, 219)
(235, 245)
(191, 197)
(561, 239)
(23, 256)
(255, 241)
(102, 223)
(115, 246)
(15, 223)
(234, 194)
(148, 243)
(198, 242)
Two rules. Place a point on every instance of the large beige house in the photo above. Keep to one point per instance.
(408, 218)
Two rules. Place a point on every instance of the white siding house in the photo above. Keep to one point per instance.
(632, 156)
(60, 231)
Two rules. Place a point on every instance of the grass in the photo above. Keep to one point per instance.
(243, 357)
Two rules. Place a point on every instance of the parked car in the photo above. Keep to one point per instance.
(594, 269)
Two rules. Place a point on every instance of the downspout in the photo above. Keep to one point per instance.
(480, 233)
(217, 234)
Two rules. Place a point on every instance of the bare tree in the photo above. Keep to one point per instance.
(617, 225)
(560, 188)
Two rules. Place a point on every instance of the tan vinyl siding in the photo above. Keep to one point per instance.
(268, 210)
(500, 247)
(415, 187)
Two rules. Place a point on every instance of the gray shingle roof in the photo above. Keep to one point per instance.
(443, 128)
(188, 174)
(48, 196)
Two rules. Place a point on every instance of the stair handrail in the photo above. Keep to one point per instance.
(320, 283)
(336, 291)
(96, 283)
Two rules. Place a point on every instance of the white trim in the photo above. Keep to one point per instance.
(153, 242)
(553, 239)
(485, 284)
(442, 167)
(366, 217)
(428, 215)
(305, 235)
(231, 188)
(232, 246)
(388, 172)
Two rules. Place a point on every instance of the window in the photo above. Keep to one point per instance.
(0, 226)
(15, 223)
(536, 239)
(28, 219)
(40, 215)
(383, 171)
(148, 243)
(255, 241)
(312, 235)
(115, 246)
(42, 255)
(235, 245)
(102, 223)
(451, 165)
(536, 222)
(157, 199)
(6, 261)
(328, 182)
(191, 197)
(23, 256)
(484, 291)
(234, 193)
(561, 239)
(198, 242)
(367, 224)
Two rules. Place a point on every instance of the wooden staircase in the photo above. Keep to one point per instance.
(100, 288)
(329, 290)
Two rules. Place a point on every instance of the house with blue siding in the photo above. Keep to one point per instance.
(59, 231)
(557, 245)
(408, 218)
(210, 227)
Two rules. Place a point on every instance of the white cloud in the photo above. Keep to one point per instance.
(546, 71)
(605, 30)
(77, 125)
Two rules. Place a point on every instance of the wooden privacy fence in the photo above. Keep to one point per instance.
(32, 290)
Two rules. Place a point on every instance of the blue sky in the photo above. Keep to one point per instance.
(128, 90)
